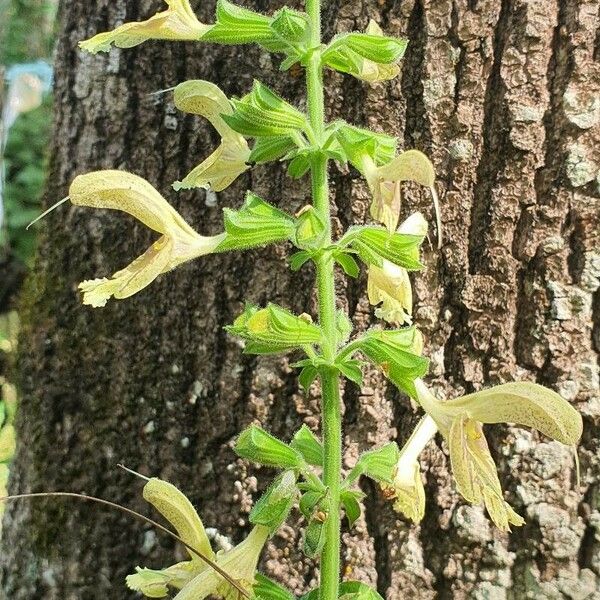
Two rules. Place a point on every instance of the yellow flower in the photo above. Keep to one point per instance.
(239, 562)
(407, 490)
(178, 22)
(460, 421)
(370, 70)
(229, 160)
(385, 182)
(195, 578)
(389, 285)
(129, 193)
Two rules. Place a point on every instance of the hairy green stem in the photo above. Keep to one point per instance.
(330, 383)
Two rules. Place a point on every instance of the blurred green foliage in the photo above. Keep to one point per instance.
(9, 329)
(26, 34)
(26, 30)
(24, 161)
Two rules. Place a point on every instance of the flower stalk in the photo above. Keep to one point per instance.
(331, 417)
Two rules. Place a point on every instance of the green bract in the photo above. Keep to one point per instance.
(307, 443)
(379, 464)
(264, 113)
(397, 353)
(237, 25)
(374, 244)
(274, 329)
(257, 223)
(357, 142)
(261, 447)
(276, 503)
(370, 56)
(269, 148)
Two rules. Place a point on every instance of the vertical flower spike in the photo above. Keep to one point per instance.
(385, 182)
(230, 159)
(460, 422)
(119, 190)
(178, 22)
(389, 285)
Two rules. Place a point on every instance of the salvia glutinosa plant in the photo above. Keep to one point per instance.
(310, 468)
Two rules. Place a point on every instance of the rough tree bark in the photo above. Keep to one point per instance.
(504, 96)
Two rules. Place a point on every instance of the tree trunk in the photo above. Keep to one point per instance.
(504, 98)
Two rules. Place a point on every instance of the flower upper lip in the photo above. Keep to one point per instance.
(119, 190)
(177, 22)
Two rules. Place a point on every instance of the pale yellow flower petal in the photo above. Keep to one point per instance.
(8, 442)
(206, 99)
(415, 224)
(220, 169)
(390, 287)
(387, 202)
(120, 190)
(174, 506)
(384, 182)
(239, 562)
(524, 403)
(155, 583)
(178, 22)
(130, 280)
(476, 474)
(463, 468)
(408, 492)
(229, 160)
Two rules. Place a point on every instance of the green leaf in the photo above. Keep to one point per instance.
(255, 444)
(264, 113)
(307, 443)
(314, 538)
(307, 376)
(374, 244)
(380, 464)
(267, 149)
(274, 329)
(256, 223)
(274, 506)
(311, 230)
(348, 264)
(350, 502)
(299, 166)
(298, 259)
(266, 589)
(351, 369)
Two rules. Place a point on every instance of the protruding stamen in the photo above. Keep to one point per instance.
(47, 212)
(133, 472)
(159, 92)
